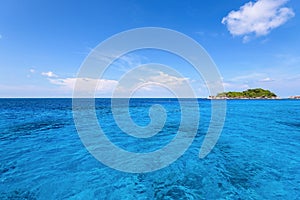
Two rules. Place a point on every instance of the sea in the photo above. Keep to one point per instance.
(256, 157)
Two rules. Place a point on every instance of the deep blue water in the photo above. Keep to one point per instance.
(256, 157)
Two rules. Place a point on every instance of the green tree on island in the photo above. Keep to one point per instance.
(250, 93)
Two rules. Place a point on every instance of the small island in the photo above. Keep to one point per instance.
(257, 93)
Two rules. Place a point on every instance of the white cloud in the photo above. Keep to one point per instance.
(147, 80)
(235, 86)
(152, 86)
(103, 85)
(49, 74)
(164, 78)
(120, 62)
(267, 79)
(257, 18)
(160, 84)
(152, 90)
(27, 90)
(247, 78)
(32, 71)
(153, 81)
(251, 78)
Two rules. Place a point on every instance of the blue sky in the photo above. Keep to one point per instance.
(43, 43)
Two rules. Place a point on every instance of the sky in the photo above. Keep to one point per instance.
(44, 43)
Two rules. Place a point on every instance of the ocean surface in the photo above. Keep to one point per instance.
(256, 157)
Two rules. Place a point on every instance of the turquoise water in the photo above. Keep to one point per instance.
(256, 157)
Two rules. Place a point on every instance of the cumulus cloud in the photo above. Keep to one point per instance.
(153, 80)
(257, 18)
(49, 74)
(160, 83)
(152, 86)
(164, 78)
(32, 71)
